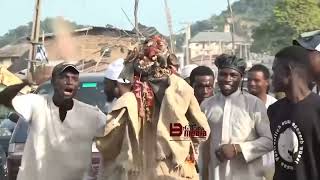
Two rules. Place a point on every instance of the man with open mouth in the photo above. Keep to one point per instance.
(62, 128)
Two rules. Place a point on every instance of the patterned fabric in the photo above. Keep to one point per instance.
(145, 98)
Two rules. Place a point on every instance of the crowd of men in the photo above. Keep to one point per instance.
(250, 135)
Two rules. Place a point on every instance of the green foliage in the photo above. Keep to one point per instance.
(247, 13)
(25, 30)
(289, 19)
(271, 36)
(14, 34)
(300, 15)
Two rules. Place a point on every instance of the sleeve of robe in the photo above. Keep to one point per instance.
(263, 144)
(204, 150)
(124, 113)
(110, 144)
(197, 117)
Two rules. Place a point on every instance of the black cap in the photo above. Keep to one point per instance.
(62, 67)
(232, 62)
(309, 40)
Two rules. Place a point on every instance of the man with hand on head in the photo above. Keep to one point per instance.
(62, 128)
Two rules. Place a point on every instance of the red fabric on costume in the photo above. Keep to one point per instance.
(145, 98)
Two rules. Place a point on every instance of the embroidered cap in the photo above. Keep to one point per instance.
(232, 62)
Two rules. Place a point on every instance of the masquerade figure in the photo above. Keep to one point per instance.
(161, 103)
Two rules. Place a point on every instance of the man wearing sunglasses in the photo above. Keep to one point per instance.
(311, 42)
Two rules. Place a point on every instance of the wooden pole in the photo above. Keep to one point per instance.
(34, 40)
(232, 29)
(169, 21)
(136, 22)
(127, 17)
(188, 36)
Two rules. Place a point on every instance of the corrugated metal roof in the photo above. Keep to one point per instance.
(90, 28)
(216, 37)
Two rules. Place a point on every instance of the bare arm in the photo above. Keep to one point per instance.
(10, 92)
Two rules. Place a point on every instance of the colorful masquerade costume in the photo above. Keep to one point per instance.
(161, 99)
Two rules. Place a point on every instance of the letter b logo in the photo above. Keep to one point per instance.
(175, 129)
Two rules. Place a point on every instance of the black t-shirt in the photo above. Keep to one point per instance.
(296, 138)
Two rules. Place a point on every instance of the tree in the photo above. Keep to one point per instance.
(300, 15)
(14, 34)
(248, 14)
(271, 36)
(289, 19)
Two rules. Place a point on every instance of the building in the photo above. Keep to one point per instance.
(91, 48)
(13, 56)
(205, 46)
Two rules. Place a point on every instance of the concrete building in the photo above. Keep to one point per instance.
(212, 44)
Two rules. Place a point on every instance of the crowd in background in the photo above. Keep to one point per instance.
(251, 135)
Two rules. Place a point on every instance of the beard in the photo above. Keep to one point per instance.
(110, 98)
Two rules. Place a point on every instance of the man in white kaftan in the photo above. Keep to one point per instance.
(239, 125)
(259, 85)
(61, 128)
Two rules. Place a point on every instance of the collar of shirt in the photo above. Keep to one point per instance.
(233, 95)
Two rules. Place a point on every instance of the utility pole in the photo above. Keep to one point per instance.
(136, 22)
(169, 21)
(188, 37)
(233, 29)
(34, 40)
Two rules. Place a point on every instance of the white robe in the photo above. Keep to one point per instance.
(268, 159)
(240, 118)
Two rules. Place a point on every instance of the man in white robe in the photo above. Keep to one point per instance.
(258, 85)
(239, 125)
(113, 89)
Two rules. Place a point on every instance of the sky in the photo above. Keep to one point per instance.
(101, 12)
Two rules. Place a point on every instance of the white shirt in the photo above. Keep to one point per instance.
(240, 118)
(270, 100)
(57, 150)
(268, 159)
(315, 89)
